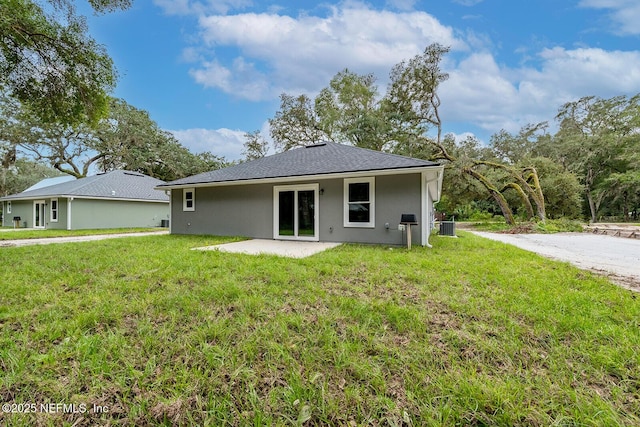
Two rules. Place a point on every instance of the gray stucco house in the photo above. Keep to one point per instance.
(117, 199)
(325, 192)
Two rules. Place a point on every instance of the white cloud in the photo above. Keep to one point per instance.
(625, 14)
(301, 54)
(189, 7)
(587, 71)
(273, 53)
(221, 142)
(497, 97)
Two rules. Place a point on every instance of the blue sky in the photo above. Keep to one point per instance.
(211, 70)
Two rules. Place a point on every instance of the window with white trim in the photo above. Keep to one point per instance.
(189, 199)
(359, 202)
(8, 207)
(54, 210)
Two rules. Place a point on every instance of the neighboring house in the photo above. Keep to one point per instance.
(109, 200)
(324, 192)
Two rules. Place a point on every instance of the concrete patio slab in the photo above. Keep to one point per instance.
(285, 248)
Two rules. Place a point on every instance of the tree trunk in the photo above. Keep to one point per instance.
(592, 206)
(534, 192)
(495, 193)
(525, 199)
(538, 197)
(592, 203)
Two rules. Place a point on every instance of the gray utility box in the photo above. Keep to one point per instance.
(447, 228)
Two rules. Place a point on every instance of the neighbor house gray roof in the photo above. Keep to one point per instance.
(110, 185)
(319, 159)
(51, 181)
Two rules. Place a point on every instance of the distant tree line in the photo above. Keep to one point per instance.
(126, 139)
(589, 168)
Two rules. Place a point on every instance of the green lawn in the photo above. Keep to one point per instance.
(471, 332)
(40, 234)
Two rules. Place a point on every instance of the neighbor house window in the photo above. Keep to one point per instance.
(54, 210)
(189, 199)
(359, 203)
(8, 207)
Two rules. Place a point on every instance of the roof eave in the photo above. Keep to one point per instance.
(313, 177)
(73, 196)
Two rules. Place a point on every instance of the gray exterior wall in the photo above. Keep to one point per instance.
(395, 195)
(239, 210)
(23, 209)
(91, 213)
(247, 210)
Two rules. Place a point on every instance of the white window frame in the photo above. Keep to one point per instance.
(372, 202)
(9, 207)
(52, 210)
(185, 208)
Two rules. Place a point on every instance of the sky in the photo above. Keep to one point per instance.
(211, 70)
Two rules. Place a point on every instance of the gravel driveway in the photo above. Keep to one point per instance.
(616, 257)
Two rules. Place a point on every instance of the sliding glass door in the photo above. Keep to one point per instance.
(296, 212)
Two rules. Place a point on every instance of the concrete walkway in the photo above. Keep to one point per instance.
(618, 258)
(285, 248)
(71, 239)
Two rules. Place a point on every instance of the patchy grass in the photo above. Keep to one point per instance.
(40, 234)
(549, 226)
(471, 332)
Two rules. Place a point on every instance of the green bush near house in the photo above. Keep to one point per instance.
(471, 332)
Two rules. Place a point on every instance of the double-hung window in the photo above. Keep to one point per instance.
(8, 207)
(189, 199)
(54, 210)
(359, 202)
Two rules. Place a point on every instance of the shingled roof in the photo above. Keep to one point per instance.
(319, 159)
(110, 185)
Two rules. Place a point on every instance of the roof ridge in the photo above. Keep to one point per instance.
(85, 183)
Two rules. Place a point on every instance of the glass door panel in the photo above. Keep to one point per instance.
(286, 217)
(306, 213)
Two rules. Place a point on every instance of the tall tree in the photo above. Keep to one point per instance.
(349, 110)
(414, 102)
(413, 97)
(255, 146)
(22, 174)
(296, 123)
(127, 139)
(594, 140)
(50, 64)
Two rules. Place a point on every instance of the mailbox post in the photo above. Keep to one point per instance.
(408, 220)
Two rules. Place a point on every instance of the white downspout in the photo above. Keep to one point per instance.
(170, 194)
(69, 200)
(427, 207)
(424, 203)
